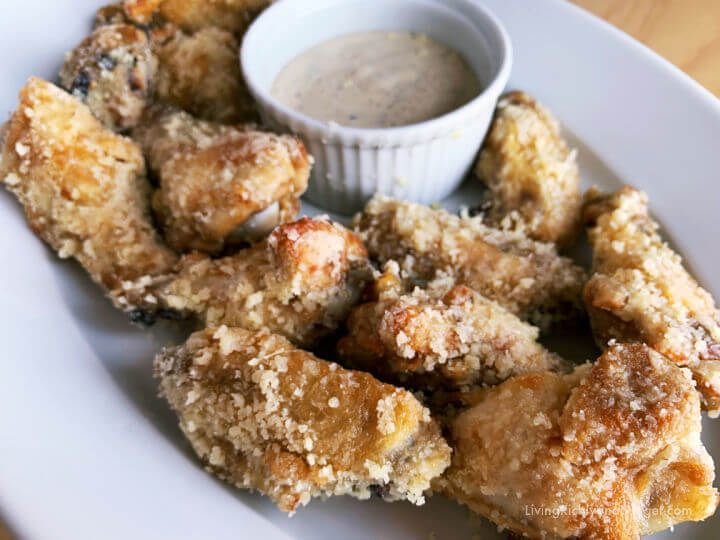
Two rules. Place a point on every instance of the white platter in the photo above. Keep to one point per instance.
(88, 451)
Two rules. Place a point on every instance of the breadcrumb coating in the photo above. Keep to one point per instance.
(526, 277)
(200, 73)
(443, 336)
(301, 282)
(141, 11)
(213, 178)
(83, 188)
(610, 451)
(112, 71)
(640, 290)
(193, 15)
(531, 174)
(111, 14)
(264, 415)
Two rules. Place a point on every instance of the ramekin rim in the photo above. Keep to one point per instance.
(380, 136)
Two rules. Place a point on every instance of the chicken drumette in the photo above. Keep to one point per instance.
(220, 184)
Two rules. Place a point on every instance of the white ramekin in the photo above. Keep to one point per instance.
(422, 162)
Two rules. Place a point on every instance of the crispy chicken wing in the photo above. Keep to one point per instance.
(610, 451)
(214, 178)
(83, 188)
(112, 71)
(192, 15)
(200, 73)
(264, 415)
(640, 290)
(531, 174)
(301, 282)
(526, 277)
(442, 336)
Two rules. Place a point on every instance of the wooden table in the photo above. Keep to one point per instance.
(686, 32)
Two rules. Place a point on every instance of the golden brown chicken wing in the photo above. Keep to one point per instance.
(264, 415)
(214, 178)
(200, 73)
(610, 451)
(442, 336)
(112, 71)
(192, 15)
(531, 174)
(640, 290)
(525, 277)
(301, 282)
(83, 189)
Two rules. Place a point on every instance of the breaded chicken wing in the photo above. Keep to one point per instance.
(301, 282)
(83, 188)
(527, 278)
(112, 71)
(610, 451)
(200, 73)
(264, 415)
(531, 174)
(442, 336)
(193, 15)
(640, 290)
(214, 178)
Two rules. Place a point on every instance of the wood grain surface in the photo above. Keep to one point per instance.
(686, 32)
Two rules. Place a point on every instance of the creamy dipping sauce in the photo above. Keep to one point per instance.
(377, 80)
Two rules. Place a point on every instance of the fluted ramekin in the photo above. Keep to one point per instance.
(421, 162)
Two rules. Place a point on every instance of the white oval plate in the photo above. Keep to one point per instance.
(88, 451)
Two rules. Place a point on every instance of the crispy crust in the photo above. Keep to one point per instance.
(112, 71)
(213, 178)
(610, 451)
(531, 174)
(301, 282)
(264, 415)
(141, 11)
(640, 290)
(200, 73)
(443, 336)
(83, 188)
(527, 278)
(232, 15)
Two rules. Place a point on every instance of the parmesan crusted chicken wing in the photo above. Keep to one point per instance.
(610, 451)
(526, 277)
(214, 178)
(112, 71)
(83, 188)
(200, 73)
(301, 282)
(531, 174)
(640, 290)
(442, 336)
(192, 15)
(264, 415)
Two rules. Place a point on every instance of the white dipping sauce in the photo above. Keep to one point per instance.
(377, 80)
